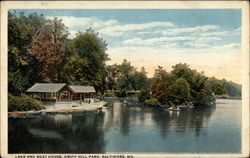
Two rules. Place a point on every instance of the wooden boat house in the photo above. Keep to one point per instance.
(57, 92)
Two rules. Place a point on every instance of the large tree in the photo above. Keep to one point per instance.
(200, 91)
(125, 77)
(179, 92)
(124, 81)
(75, 70)
(48, 47)
(139, 79)
(159, 85)
(90, 47)
(112, 75)
(23, 68)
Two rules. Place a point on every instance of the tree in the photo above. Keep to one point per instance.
(126, 69)
(21, 65)
(216, 86)
(159, 85)
(179, 92)
(89, 46)
(233, 89)
(48, 47)
(199, 89)
(139, 79)
(183, 71)
(124, 81)
(182, 85)
(112, 75)
(75, 71)
(143, 95)
(125, 77)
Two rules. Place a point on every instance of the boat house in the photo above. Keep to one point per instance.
(60, 92)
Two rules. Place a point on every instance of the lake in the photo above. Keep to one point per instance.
(130, 128)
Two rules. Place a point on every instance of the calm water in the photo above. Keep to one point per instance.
(130, 128)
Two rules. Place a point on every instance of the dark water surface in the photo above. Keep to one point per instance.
(130, 128)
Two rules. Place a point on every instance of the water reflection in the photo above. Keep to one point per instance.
(57, 133)
(184, 121)
(128, 128)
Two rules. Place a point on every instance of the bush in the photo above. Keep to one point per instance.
(143, 95)
(152, 101)
(23, 103)
(122, 93)
(110, 94)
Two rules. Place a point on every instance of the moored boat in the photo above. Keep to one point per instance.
(174, 109)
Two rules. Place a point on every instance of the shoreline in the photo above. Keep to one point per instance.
(225, 97)
(63, 109)
(86, 107)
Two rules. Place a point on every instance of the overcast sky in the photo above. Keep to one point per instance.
(208, 40)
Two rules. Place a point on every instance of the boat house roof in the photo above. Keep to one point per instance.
(46, 87)
(82, 89)
(56, 87)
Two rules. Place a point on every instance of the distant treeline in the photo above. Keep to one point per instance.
(232, 89)
(39, 50)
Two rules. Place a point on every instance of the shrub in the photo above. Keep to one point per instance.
(143, 95)
(23, 103)
(109, 94)
(152, 101)
(122, 93)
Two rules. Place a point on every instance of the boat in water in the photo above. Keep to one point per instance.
(174, 109)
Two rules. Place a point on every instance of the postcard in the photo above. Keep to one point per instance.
(124, 79)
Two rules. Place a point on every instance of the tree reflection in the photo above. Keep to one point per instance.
(183, 121)
(125, 116)
(162, 121)
(83, 132)
(125, 120)
(57, 133)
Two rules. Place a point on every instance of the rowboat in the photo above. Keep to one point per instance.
(174, 109)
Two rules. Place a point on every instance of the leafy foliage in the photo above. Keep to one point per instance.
(159, 85)
(124, 81)
(23, 103)
(143, 95)
(181, 86)
(201, 93)
(139, 79)
(21, 65)
(41, 47)
(90, 50)
(217, 86)
(179, 92)
(125, 77)
(48, 47)
(153, 101)
(112, 75)
(75, 70)
(232, 88)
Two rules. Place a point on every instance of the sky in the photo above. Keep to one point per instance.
(208, 40)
